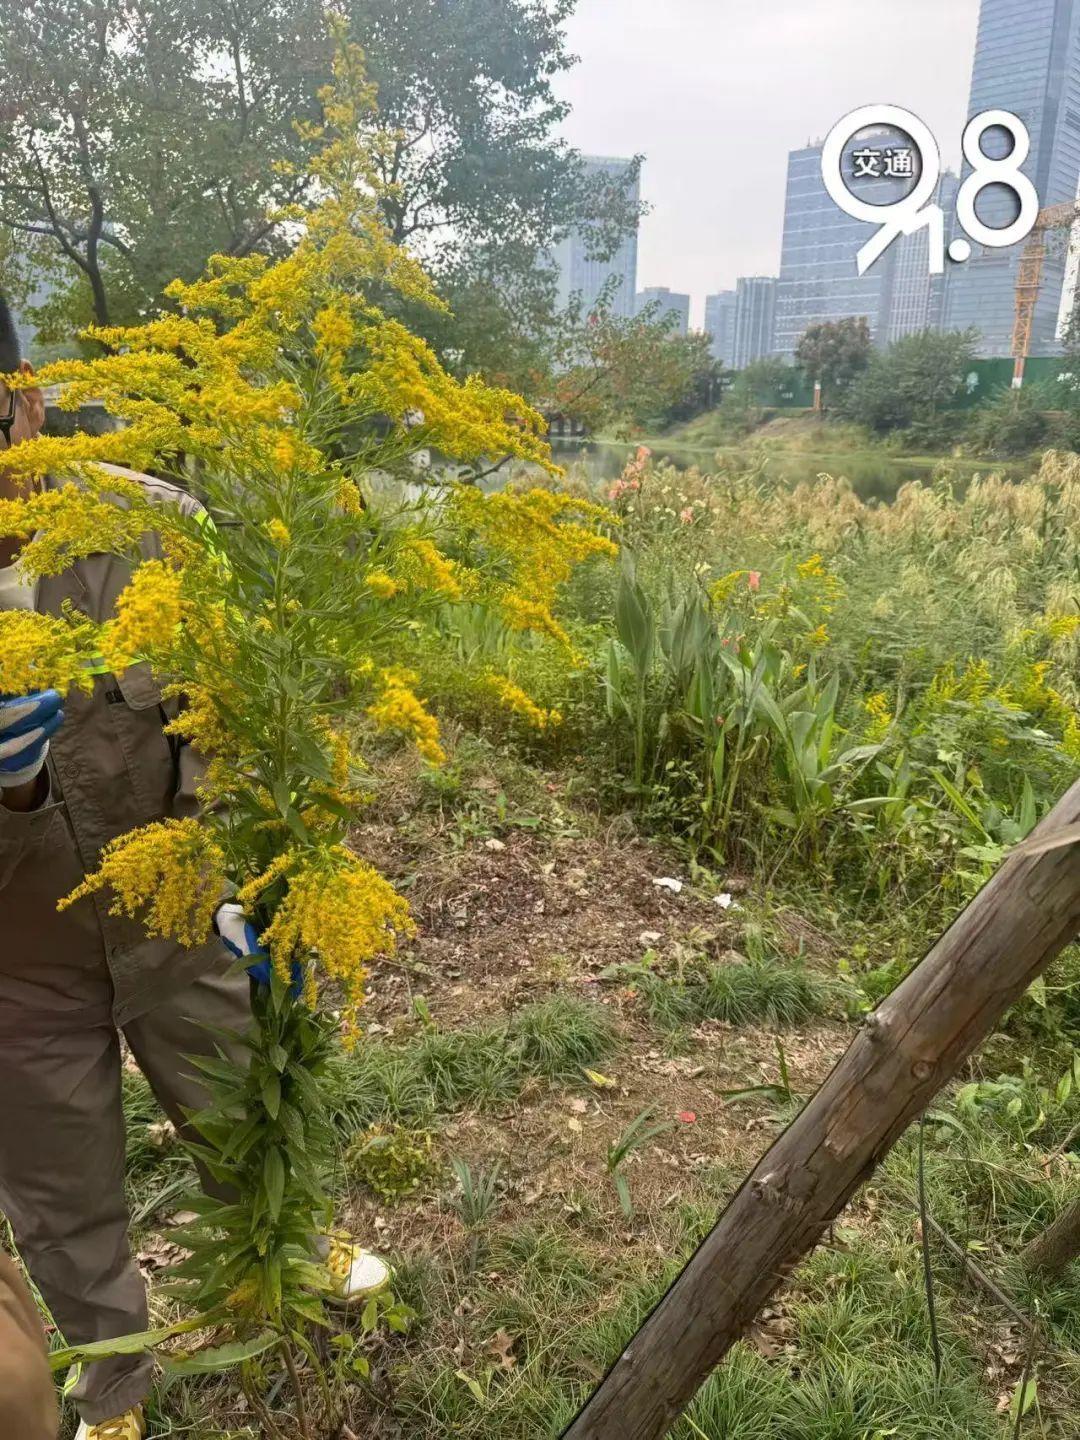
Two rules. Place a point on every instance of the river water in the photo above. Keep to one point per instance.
(872, 475)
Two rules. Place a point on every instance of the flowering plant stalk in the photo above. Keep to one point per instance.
(281, 625)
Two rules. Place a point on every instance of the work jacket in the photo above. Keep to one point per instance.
(111, 768)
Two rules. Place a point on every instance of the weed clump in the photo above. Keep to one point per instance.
(481, 1065)
(394, 1162)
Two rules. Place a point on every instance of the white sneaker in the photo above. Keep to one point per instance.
(129, 1426)
(355, 1273)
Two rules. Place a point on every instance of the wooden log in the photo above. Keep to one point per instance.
(912, 1044)
(1057, 1246)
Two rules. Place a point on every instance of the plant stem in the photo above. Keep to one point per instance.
(298, 1390)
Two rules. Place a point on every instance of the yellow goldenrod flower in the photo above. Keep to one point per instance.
(880, 715)
(514, 698)
(278, 532)
(810, 569)
(399, 708)
(148, 615)
(41, 652)
(381, 584)
(170, 874)
(337, 906)
(425, 567)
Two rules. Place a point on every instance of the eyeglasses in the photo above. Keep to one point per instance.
(7, 421)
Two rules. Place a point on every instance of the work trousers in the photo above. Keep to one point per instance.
(62, 1164)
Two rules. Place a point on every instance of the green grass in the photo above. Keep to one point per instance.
(741, 993)
(447, 1071)
(860, 1368)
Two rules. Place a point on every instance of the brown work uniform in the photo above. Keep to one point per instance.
(27, 1398)
(70, 981)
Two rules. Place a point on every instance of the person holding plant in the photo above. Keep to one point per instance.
(75, 773)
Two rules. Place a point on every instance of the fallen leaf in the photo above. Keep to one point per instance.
(501, 1348)
(601, 1081)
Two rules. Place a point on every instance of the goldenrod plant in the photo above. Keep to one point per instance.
(282, 624)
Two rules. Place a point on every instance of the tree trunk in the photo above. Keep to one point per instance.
(906, 1051)
(1049, 1253)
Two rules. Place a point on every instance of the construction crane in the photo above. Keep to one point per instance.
(1029, 278)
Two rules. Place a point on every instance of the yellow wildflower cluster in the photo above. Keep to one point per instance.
(818, 583)
(542, 535)
(811, 568)
(278, 533)
(973, 684)
(148, 614)
(880, 715)
(67, 524)
(400, 708)
(42, 652)
(523, 613)
(171, 875)
(1032, 692)
(1059, 627)
(721, 591)
(201, 722)
(381, 584)
(423, 566)
(512, 697)
(336, 905)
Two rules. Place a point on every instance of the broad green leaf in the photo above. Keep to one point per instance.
(218, 1357)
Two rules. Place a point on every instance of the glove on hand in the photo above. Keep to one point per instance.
(241, 939)
(26, 722)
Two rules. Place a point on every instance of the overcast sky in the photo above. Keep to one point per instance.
(715, 93)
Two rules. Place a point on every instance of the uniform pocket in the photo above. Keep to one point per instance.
(139, 688)
(23, 833)
(138, 717)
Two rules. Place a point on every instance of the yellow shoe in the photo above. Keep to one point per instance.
(355, 1273)
(129, 1426)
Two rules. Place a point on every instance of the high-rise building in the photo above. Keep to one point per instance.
(581, 273)
(1027, 61)
(819, 278)
(667, 303)
(720, 324)
(916, 299)
(755, 316)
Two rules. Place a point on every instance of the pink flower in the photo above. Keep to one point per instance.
(753, 580)
(643, 452)
(686, 1117)
(687, 515)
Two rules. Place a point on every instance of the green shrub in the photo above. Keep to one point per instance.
(392, 1162)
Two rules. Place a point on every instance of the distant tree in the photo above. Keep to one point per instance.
(475, 158)
(477, 177)
(141, 136)
(833, 352)
(765, 381)
(627, 374)
(1012, 422)
(913, 384)
(706, 380)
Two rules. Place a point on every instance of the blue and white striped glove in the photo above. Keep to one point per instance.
(241, 939)
(26, 723)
